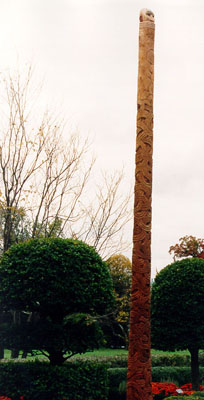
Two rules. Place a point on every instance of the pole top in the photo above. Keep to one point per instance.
(146, 15)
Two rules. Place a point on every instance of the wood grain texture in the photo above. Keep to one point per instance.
(139, 362)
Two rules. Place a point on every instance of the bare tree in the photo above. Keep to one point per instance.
(39, 172)
(46, 178)
(106, 216)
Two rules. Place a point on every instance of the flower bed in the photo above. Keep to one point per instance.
(4, 398)
(165, 388)
(170, 389)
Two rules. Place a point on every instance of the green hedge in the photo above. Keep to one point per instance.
(174, 359)
(41, 381)
(195, 396)
(201, 358)
(109, 361)
(116, 377)
(121, 361)
(178, 375)
(171, 360)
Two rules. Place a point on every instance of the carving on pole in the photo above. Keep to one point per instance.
(139, 360)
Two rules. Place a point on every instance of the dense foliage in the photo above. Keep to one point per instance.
(41, 381)
(62, 286)
(177, 310)
(121, 273)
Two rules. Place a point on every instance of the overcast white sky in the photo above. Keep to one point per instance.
(87, 52)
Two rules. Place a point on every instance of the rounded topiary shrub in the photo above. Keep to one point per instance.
(63, 286)
(177, 310)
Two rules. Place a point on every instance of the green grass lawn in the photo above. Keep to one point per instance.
(105, 352)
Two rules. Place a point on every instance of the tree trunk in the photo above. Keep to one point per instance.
(139, 385)
(14, 353)
(16, 321)
(7, 228)
(1, 352)
(56, 357)
(24, 354)
(195, 375)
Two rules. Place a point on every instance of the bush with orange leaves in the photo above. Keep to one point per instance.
(188, 246)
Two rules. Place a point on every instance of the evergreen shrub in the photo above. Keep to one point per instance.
(66, 286)
(177, 310)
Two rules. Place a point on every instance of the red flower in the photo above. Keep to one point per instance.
(187, 388)
(166, 387)
(4, 398)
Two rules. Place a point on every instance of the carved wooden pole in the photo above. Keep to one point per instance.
(139, 359)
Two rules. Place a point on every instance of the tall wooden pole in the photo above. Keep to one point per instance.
(139, 359)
